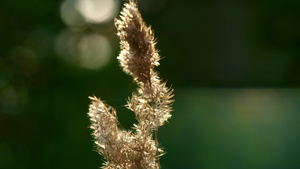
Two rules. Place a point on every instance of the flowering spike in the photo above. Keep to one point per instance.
(151, 103)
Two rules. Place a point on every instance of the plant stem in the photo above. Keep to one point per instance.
(154, 117)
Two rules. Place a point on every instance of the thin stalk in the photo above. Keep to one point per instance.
(154, 116)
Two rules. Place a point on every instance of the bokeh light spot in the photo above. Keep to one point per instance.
(94, 51)
(80, 12)
(96, 11)
(91, 51)
(24, 60)
(70, 14)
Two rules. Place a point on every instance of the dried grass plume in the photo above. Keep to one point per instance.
(151, 104)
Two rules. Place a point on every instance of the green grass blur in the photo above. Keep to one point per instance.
(233, 128)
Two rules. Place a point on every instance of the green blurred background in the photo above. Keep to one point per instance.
(234, 66)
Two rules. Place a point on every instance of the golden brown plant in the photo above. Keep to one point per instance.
(151, 103)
